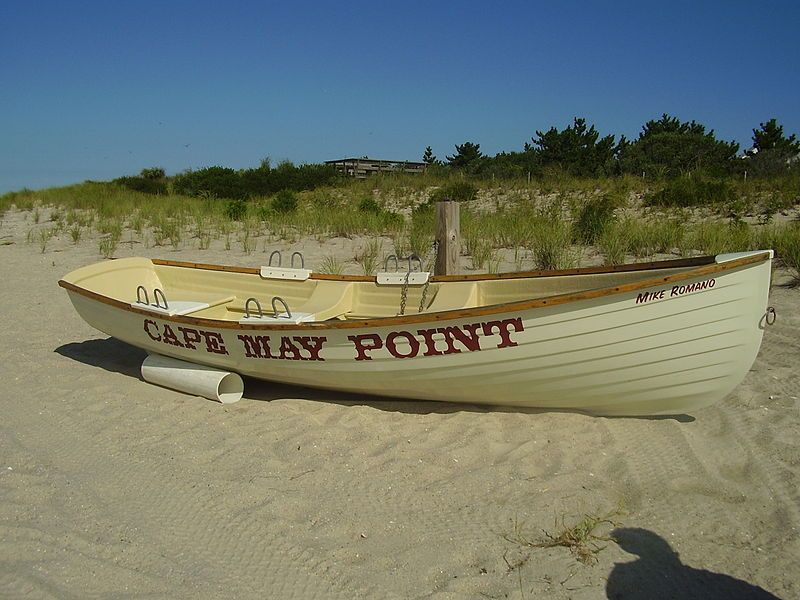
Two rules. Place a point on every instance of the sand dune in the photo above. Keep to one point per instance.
(113, 488)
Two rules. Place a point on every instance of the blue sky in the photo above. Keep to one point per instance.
(95, 90)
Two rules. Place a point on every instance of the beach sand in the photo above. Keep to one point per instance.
(114, 488)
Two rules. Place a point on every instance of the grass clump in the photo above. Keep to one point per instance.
(551, 246)
(44, 237)
(108, 245)
(582, 539)
(786, 243)
(717, 237)
(331, 265)
(481, 252)
(613, 244)
(593, 219)
(367, 256)
(368, 204)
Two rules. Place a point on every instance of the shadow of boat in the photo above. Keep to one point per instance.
(115, 356)
(109, 354)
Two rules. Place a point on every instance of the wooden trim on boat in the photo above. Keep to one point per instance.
(254, 271)
(645, 266)
(704, 269)
(205, 266)
(598, 270)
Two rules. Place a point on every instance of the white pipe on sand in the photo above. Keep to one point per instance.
(191, 378)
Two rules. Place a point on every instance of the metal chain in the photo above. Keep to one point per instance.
(431, 253)
(404, 293)
(404, 290)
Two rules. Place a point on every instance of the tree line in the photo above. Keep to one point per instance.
(224, 182)
(666, 148)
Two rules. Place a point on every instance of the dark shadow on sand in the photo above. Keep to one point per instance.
(659, 574)
(109, 354)
(118, 357)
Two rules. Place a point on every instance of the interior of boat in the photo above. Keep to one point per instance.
(239, 294)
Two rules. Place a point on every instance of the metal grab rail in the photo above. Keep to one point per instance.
(275, 308)
(247, 308)
(411, 258)
(277, 253)
(386, 262)
(140, 289)
(156, 292)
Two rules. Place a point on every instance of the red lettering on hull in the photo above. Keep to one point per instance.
(456, 339)
(189, 337)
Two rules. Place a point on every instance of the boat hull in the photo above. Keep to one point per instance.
(663, 349)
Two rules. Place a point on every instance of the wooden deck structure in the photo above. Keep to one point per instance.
(361, 168)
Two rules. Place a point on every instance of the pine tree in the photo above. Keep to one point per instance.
(466, 154)
(671, 147)
(771, 137)
(578, 149)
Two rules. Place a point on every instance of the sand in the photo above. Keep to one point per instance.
(114, 488)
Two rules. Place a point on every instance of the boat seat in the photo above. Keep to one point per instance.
(452, 296)
(184, 303)
(329, 300)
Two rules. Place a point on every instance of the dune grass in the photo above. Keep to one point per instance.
(332, 265)
(368, 256)
(786, 242)
(544, 224)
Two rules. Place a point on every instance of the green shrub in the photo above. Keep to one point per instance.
(263, 211)
(236, 210)
(456, 191)
(210, 182)
(153, 173)
(284, 201)
(693, 191)
(143, 184)
(369, 205)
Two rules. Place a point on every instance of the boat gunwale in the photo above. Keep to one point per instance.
(703, 268)
(597, 270)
